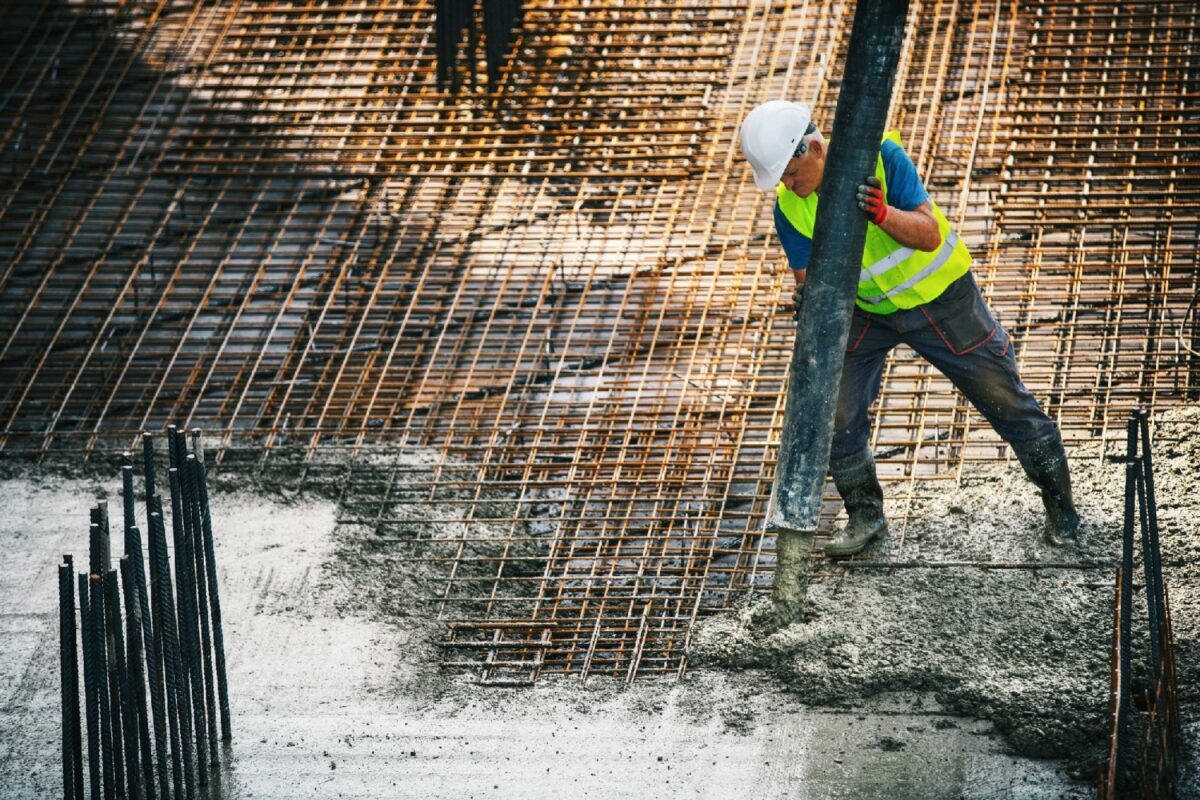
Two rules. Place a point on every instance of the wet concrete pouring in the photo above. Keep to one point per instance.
(901, 682)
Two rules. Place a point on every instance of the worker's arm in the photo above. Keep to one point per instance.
(917, 229)
(907, 214)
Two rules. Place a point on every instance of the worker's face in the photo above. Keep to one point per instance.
(803, 174)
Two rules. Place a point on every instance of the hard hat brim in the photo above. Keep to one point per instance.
(766, 180)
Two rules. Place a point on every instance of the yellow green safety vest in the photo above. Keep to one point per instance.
(893, 276)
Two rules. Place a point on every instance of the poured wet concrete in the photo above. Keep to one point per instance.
(328, 704)
(898, 683)
(983, 615)
(1028, 648)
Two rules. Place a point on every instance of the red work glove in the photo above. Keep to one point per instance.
(870, 200)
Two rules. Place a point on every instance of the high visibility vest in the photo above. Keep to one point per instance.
(893, 276)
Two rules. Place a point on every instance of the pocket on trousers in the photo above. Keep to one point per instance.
(1000, 342)
(960, 317)
(859, 325)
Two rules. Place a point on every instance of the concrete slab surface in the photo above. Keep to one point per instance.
(333, 706)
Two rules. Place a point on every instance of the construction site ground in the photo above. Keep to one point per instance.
(952, 682)
(492, 385)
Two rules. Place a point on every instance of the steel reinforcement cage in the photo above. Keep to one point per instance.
(538, 336)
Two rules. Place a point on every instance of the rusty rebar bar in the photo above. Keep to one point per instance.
(214, 594)
(90, 690)
(69, 685)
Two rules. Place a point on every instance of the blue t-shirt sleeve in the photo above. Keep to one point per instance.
(904, 188)
(795, 244)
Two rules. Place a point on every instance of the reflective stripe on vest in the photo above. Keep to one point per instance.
(879, 267)
(893, 276)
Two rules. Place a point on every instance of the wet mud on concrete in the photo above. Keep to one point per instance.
(899, 683)
(337, 694)
(1027, 649)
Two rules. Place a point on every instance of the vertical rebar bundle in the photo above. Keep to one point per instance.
(152, 649)
(499, 18)
(1148, 768)
(455, 16)
(185, 586)
(210, 564)
(91, 700)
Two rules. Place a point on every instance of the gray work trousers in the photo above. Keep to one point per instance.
(958, 335)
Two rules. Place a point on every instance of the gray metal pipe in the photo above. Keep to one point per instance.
(832, 278)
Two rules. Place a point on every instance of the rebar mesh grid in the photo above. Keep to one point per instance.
(539, 337)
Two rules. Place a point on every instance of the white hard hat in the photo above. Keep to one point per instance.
(770, 135)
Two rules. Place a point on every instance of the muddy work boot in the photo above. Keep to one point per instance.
(854, 476)
(1045, 462)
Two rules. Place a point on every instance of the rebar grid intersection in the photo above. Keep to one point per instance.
(559, 308)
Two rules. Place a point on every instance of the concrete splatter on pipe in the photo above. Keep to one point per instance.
(839, 235)
(148, 465)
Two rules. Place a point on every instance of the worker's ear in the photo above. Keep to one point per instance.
(817, 148)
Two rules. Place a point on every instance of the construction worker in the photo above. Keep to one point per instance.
(915, 288)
